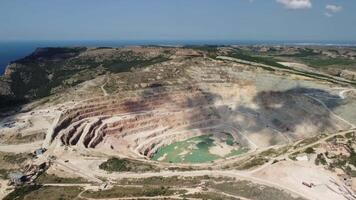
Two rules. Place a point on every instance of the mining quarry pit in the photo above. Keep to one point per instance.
(193, 120)
(202, 98)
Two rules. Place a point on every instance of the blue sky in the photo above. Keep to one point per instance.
(301, 20)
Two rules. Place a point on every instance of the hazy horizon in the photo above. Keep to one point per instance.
(12, 50)
(240, 20)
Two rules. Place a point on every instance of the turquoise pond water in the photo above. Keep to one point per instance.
(195, 150)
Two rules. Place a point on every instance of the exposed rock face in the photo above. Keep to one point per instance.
(6, 94)
(348, 75)
(8, 71)
(333, 71)
(5, 89)
(343, 73)
(207, 98)
(9, 96)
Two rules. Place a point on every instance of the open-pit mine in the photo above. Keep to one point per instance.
(210, 122)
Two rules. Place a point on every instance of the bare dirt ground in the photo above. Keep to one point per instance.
(4, 188)
(287, 175)
(21, 148)
(292, 174)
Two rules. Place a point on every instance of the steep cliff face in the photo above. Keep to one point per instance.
(28, 78)
(6, 93)
(48, 70)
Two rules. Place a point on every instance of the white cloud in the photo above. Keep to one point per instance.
(333, 8)
(296, 4)
(328, 14)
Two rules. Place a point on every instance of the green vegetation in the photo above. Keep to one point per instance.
(4, 173)
(151, 187)
(302, 53)
(21, 192)
(157, 186)
(352, 158)
(168, 181)
(271, 60)
(58, 68)
(209, 195)
(324, 62)
(32, 74)
(272, 152)
(309, 150)
(10, 162)
(16, 158)
(259, 159)
(125, 165)
(308, 141)
(350, 172)
(130, 191)
(236, 152)
(31, 138)
(340, 161)
(350, 135)
(45, 178)
(129, 60)
(110, 86)
(254, 162)
(19, 138)
(174, 181)
(44, 193)
(258, 59)
(159, 181)
(320, 159)
(316, 59)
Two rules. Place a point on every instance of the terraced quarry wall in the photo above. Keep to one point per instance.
(205, 97)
